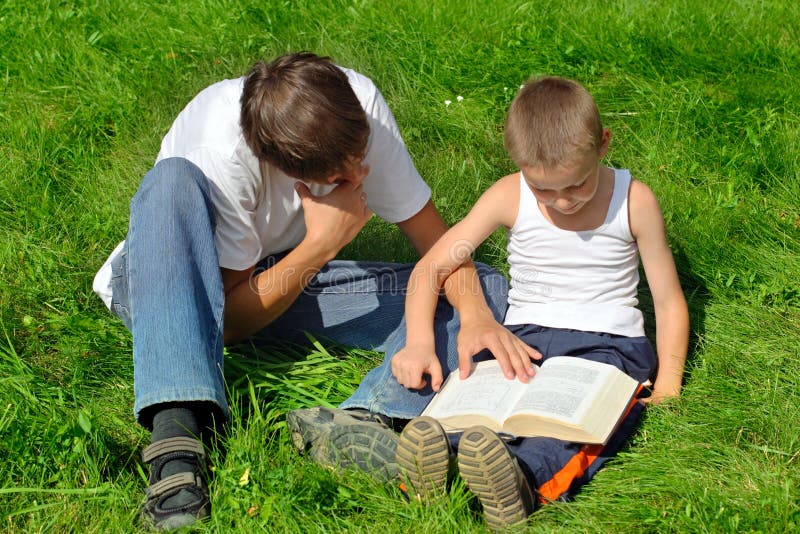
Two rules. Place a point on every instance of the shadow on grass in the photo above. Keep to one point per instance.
(697, 297)
(275, 378)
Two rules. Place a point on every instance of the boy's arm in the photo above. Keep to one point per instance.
(332, 221)
(672, 315)
(432, 272)
(478, 327)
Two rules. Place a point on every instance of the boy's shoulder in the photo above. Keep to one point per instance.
(507, 185)
(507, 197)
(499, 203)
(644, 209)
(640, 194)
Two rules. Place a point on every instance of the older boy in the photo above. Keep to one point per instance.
(259, 184)
(576, 231)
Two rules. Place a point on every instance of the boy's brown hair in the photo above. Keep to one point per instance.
(552, 122)
(300, 114)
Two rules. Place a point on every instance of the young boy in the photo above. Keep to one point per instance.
(576, 229)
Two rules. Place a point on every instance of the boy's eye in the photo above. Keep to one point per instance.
(578, 186)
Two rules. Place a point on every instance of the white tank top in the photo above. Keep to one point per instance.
(584, 280)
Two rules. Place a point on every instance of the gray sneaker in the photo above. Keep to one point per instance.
(423, 454)
(491, 472)
(345, 439)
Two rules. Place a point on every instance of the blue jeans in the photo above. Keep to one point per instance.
(168, 291)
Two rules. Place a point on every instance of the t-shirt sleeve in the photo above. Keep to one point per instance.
(234, 194)
(395, 189)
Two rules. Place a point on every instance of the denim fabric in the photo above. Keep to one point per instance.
(541, 458)
(168, 291)
(362, 304)
(381, 392)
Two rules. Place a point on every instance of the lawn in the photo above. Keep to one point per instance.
(703, 103)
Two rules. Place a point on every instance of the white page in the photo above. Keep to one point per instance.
(563, 388)
(485, 392)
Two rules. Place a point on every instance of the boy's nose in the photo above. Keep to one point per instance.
(563, 201)
(356, 174)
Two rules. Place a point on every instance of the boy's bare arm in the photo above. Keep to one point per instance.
(462, 288)
(672, 315)
(440, 267)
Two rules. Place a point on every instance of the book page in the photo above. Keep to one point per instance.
(485, 392)
(563, 389)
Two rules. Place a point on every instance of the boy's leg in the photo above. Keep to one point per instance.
(362, 304)
(511, 477)
(167, 289)
(490, 470)
(556, 469)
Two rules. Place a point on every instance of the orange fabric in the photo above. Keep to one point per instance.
(561, 481)
(577, 465)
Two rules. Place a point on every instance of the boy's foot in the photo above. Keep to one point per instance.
(491, 472)
(423, 455)
(345, 438)
(180, 499)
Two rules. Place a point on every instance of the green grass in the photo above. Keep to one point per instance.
(703, 103)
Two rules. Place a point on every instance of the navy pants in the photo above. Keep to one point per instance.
(555, 469)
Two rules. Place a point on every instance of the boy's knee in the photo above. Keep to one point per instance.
(173, 180)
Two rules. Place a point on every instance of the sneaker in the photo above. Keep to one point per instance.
(177, 500)
(423, 455)
(345, 439)
(491, 472)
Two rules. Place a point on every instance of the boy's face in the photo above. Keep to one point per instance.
(567, 189)
(353, 172)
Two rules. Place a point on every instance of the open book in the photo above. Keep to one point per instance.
(569, 398)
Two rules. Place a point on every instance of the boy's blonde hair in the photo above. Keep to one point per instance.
(552, 122)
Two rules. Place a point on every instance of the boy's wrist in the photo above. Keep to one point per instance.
(667, 386)
(472, 311)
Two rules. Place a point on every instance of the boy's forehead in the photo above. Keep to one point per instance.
(558, 177)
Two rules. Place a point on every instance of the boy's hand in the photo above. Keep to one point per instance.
(663, 389)
(333, 220)
(412, 362)
(513, 355)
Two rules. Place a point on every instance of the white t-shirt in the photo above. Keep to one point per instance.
(257, 216)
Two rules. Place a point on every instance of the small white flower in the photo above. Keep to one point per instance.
(447, 103)
(459, 98)
(505, 89)
(521, 86)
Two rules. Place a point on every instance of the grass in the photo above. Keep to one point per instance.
(703, 104)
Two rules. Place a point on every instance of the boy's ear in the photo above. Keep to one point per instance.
(604, 142)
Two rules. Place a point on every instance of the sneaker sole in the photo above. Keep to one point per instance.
(490, 472)
(335, 439)
(367, 447)
(423, 455)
